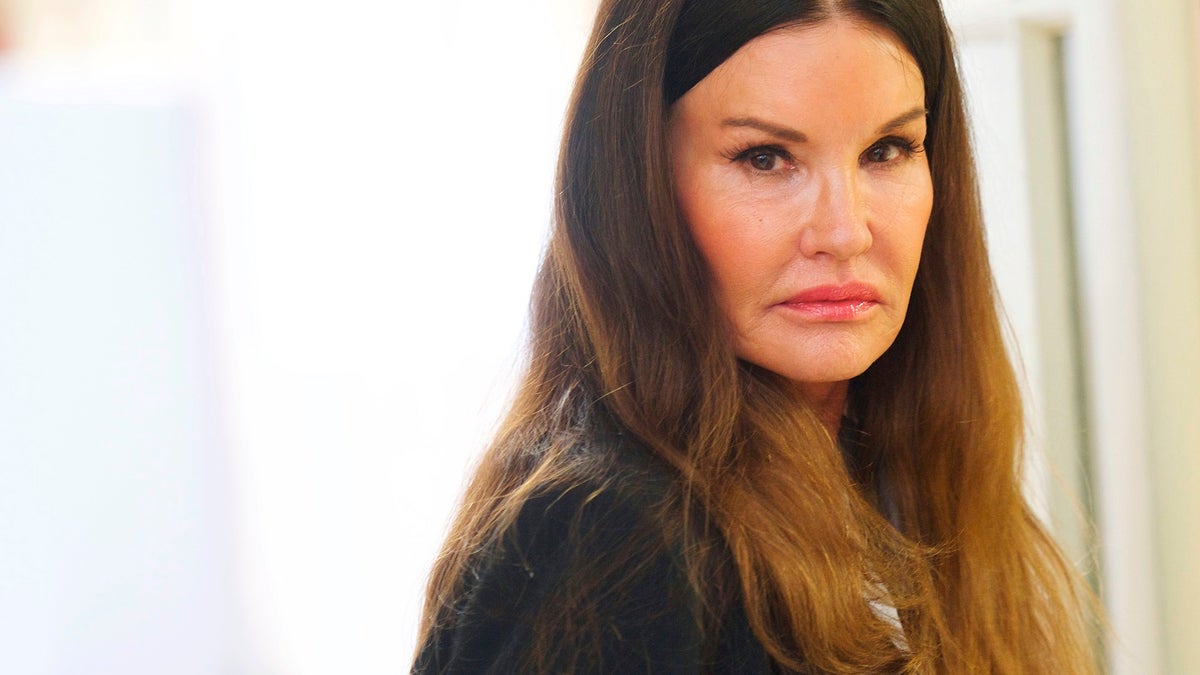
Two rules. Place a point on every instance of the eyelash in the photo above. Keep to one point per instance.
(744, 155)
(907, 148)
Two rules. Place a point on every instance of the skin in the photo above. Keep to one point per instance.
(798, 164)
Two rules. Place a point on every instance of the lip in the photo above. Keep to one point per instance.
(834, 302)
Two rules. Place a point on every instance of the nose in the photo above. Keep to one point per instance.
(837, 225)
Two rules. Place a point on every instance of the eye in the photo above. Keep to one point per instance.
(889, 150)
(763, 159)
(881, 153)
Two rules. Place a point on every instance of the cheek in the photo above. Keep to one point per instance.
(902, 221)
(922, 209)
(711, 220)
(737, 242)
(739, 232)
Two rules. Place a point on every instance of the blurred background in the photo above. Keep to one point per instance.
(263, 274)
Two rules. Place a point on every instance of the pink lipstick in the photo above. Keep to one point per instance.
(841, 302)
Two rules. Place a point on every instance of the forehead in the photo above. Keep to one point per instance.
(865, 65)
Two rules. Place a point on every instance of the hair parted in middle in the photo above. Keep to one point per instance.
(625, 326)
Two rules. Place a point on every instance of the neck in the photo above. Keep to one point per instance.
(828, 399)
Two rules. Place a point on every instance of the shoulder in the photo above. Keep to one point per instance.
(588, 578)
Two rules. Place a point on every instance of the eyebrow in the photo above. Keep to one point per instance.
(785, 133)
(910, 116)
(789, 134)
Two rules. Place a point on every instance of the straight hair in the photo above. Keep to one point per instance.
(920, 504)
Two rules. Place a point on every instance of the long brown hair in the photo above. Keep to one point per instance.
(921, 507)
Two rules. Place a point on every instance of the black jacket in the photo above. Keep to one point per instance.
(600, 549)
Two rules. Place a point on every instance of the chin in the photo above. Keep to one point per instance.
(830, 364)
(813, 376)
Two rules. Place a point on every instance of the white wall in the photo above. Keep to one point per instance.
(384, 177)
(114, 529)
(264, 283)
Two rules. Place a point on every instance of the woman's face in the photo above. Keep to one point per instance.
(799, 167)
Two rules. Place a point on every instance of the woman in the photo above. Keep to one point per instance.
(768, 423)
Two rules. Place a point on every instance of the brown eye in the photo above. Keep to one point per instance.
(764, 161)
(890, 149)
(881, 153)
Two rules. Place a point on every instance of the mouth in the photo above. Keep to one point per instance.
(840, 302)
